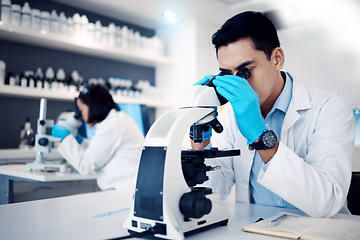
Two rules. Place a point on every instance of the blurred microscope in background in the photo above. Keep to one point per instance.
(44, 142)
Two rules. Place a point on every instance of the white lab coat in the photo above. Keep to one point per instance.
(113, 152)
(312, 166)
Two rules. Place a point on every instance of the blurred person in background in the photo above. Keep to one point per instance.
(113, 153)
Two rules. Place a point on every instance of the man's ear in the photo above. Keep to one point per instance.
(278, 58)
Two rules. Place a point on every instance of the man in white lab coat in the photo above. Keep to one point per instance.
(303, 139)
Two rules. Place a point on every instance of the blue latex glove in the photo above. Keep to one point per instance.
(79, 138)
(59, 132)
(204, 80)
(245, 103)
(207, 134)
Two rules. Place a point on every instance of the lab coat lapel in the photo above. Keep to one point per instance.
(300, 101)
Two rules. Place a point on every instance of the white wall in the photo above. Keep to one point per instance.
(320, 42)
(188, 44)
(316, 60)
(180, 39)
(206, 55)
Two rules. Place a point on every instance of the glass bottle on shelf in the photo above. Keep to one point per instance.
(26, 136)
(26, 16)
(5, 11)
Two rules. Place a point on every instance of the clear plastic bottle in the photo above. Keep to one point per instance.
(105, 35)
(5, 11)
(118, 37)
(45, 22)
(2, 72)
(84, 21)
(23, 81)
(35, 19)
(130, 39)
(62, 24)
(74, 82)
(111, 34)
(12, 80)
(54, 22)
(26, 16)
(15, 15)
(39, 78)
(60, 77)
(98, 31)
(49, 78)
(124, 37)
(136, 41)
(90, 31)
(30, 77)
(77, 24)
(70, 26)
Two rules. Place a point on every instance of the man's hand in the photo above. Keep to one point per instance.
(245, 103)
(204, 80)
(198, 146)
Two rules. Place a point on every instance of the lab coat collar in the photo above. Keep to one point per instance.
(300, 96)
(300, 101)
(111, 114)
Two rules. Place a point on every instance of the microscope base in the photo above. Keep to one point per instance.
(46, 167)
(214, 225)
(194, 231)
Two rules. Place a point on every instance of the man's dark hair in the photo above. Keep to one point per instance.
(253, 25)
(99, 101)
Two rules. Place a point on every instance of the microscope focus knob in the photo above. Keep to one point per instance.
(43, 141)
(194, 205)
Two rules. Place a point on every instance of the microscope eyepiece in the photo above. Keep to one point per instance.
(243, 73)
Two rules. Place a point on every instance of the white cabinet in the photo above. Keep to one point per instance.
(82, 46)
(41, 93)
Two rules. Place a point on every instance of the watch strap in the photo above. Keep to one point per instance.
(259, 145)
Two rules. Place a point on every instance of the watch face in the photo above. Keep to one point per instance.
(269, 139)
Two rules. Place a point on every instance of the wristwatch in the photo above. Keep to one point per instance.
(267, 140)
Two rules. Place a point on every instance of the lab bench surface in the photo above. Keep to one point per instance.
(9, 174)
(19, 171)
(77, 217)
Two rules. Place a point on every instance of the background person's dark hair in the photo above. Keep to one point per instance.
(253, 25)
(99, 101)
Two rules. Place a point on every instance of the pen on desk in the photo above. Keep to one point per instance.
(275, 222)
(111, 213)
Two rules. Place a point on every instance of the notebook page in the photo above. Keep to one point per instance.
(336, 229)
(294, 224)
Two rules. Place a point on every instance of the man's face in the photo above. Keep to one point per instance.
(264, 73)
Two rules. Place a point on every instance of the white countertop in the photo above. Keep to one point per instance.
(73, 217)
(19, 170)
(28, 155)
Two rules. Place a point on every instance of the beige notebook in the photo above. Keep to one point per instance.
(294, 226)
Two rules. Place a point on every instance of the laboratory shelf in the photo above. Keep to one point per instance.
(83, 45)
(69, 96)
